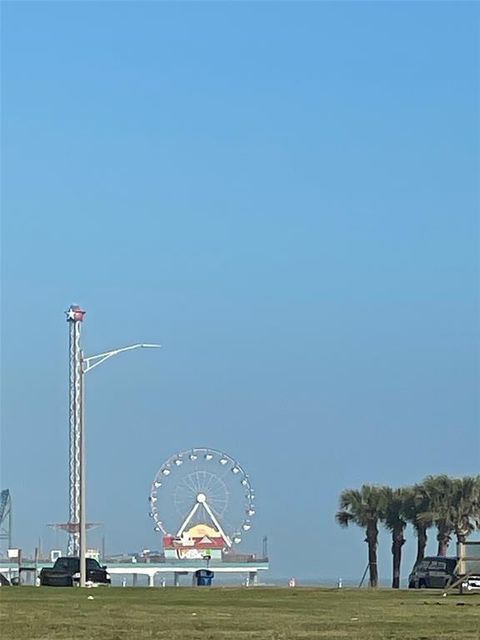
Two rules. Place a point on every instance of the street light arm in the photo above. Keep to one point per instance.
(93, 361)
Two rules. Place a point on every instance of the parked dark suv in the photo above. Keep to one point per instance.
(66, 573)
(433, 572)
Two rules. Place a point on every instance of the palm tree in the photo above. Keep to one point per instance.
(466, 506)
(416, 505)
(364, 507)
(394, 520)
(454, 507)
(441, 509)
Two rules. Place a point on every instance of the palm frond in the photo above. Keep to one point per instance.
(343, 518)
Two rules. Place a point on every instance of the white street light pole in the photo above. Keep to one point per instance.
(79, 366)
(87, 364)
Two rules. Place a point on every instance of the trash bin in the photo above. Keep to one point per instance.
(204, 577)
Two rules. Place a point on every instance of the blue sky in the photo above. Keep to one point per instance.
(285, 195)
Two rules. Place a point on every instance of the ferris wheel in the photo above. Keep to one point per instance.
(202, 488)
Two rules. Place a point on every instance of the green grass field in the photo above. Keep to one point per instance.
(29, 613)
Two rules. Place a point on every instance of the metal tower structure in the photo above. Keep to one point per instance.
(75, 317)
(5, 519)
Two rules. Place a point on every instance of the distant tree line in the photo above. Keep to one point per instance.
(451, 505)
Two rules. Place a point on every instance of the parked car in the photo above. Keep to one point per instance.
(433, 572)
(66, 573)
(4, 581)
(470, 583)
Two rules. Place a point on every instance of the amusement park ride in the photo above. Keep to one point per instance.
(202, 502)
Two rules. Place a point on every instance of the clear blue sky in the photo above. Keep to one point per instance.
(285, 195)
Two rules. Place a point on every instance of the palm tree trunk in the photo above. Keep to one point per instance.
(372, 538)
(397, 543)
(443, 538)
(461, 537)
(442, 547)
(421, 531)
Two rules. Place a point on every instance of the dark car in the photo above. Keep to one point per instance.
(433, 572)
(66, 573)
(4, 581)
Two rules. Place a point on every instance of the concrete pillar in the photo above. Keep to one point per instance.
(252, 578)
(176, 579)
(134, 579)
(151, 580)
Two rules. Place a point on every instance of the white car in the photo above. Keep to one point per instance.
(472, 583)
